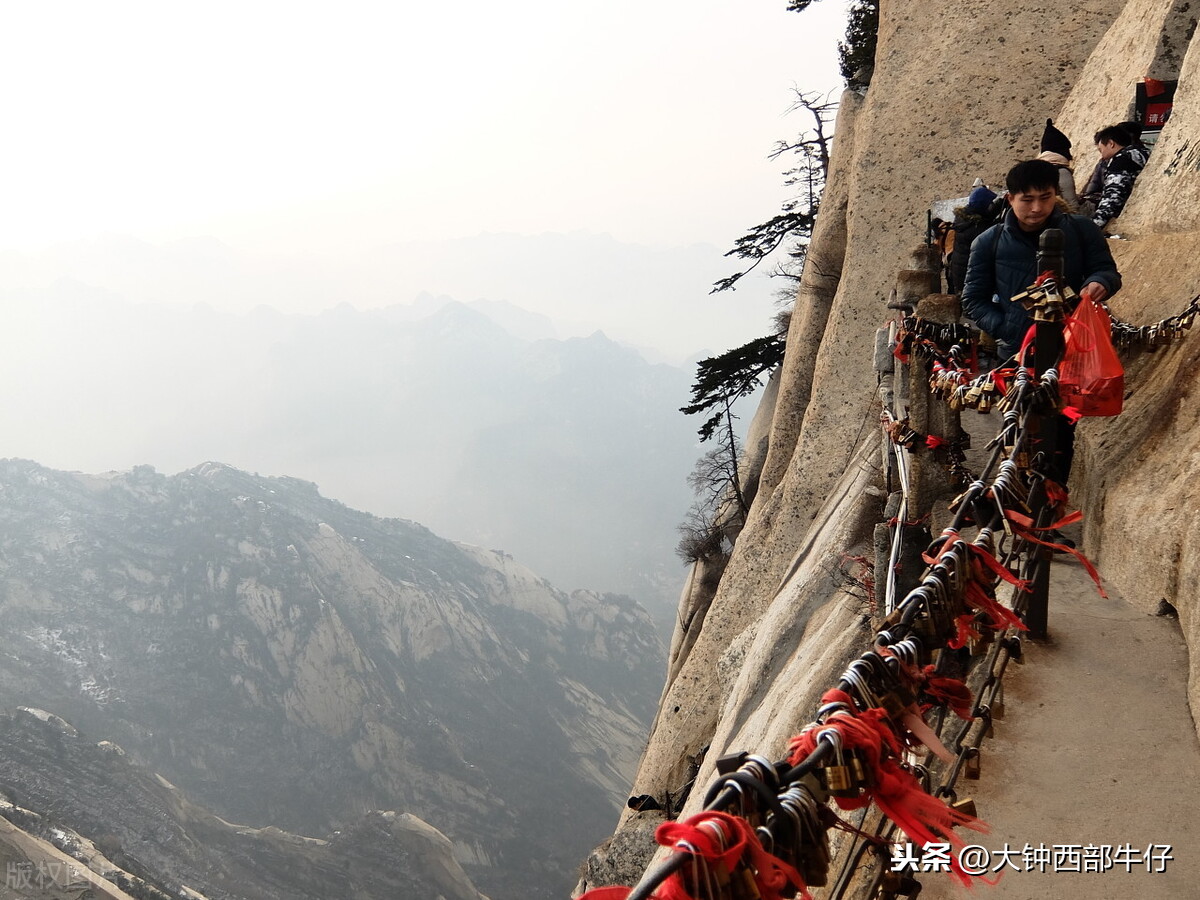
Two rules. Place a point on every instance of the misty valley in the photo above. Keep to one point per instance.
(227, 683)
(223, 682)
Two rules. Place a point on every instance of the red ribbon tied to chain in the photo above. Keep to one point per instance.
(721, 841)
(950, 692)
(721, 838)
(1025, 528)
(896, 791)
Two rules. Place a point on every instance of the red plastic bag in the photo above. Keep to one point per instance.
(1091, 378)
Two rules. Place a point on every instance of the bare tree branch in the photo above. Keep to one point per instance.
(799, 213)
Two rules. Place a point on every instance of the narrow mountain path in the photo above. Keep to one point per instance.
(1097, 749)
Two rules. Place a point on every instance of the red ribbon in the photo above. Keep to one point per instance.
(950, 535)
(1063, 548)
(1027, 523)
(985, 560)
(966, 630)
(1024, 527)
(720, 838)
(950, 692)
(1055, 492)
(1002, 617)
(896, 791)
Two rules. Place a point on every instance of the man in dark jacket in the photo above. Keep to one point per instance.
(1004, 263)
(1003, 259)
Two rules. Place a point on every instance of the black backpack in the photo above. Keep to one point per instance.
(968, 226)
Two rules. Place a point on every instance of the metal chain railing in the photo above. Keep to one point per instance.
(948, 632)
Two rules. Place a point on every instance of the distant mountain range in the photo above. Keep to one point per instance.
(655, 298)
(283, 660)
(570, 454)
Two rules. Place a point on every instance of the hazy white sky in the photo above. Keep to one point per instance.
(329, 127)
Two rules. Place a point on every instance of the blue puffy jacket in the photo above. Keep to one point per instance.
(1004, 263)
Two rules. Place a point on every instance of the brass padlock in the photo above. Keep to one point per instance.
(846, 777)
(813, 861)
(895, 885)
(720, 875)
(980, 642)
(837, 779)
(966, 806)
(858, 771)
(1025, 298)
(971, 764)
(924, 628)
(811, 852)
(989, 396)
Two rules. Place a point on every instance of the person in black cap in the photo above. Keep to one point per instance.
(1056, 150)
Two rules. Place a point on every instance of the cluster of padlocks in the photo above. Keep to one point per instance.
(1150, 337)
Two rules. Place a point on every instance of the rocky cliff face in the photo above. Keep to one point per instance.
(959, 90)
(289, 662)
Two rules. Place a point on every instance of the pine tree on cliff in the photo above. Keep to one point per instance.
(721, 380)
(856, 54)
(856, 59)
(799, 214)
(713, 522)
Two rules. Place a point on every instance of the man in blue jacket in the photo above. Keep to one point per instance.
(1003, 259)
